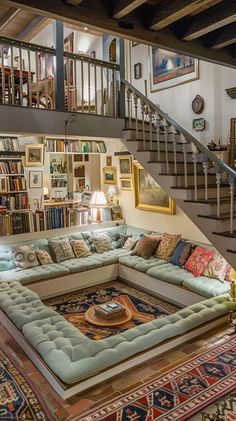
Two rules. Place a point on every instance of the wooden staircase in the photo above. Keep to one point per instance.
(200, 183)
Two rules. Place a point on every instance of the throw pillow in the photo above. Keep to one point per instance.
(199, 260)
(80, 248)
(118, 244)
(181, 253)
(167, 245)
(145, 247)
(62, 249)
(102, 242)
(130, 243)
(25, 257)
(228, 273)
(43, 257)
(216, 268)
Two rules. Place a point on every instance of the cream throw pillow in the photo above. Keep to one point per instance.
(80, 248)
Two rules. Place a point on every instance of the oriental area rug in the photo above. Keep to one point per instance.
(143, 306)
(179, 393)
(18, 399)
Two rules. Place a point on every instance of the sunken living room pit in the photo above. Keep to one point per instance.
(44, 307)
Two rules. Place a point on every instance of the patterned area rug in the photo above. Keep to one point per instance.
(18, 400)
(144, 307)
(179, 393)
(222, 410)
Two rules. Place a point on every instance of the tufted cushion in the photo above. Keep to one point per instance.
(72, 356)
(110, 257)
(139, 263)
(80, 265)
(169, 273)
(8, 285)
(206, 287)
(34, 274)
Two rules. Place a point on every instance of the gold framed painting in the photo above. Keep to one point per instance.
(34, 155)
(168, 69)
(126, 166)
(109, 175)
(149, 195)
(126, 184)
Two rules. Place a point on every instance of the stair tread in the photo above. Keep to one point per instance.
(155, 161)
(226, 234)
(151, 150)
(212, 201)
(223, 217)
(182, 174)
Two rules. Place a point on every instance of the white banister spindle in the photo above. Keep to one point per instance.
(136, 114)
(3, 74)
(205, 170)
(29, 89)
(12, 77)
(166, 134)
(195, 154)
(37, 76)
(231, 187)
(157, 124)
(218, 183)
(174, 141)
(128, 95)
(150, 116)
(143, 109)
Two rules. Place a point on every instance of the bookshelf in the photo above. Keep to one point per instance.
(75, 146)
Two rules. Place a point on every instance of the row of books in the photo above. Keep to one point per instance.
(9, 144)
(58, 145)
(59, 217)
(11, 167)
(15, 202)
(8, 184)
(15, 223)
(55, 145)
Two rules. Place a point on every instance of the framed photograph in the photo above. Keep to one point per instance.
(35, 179)
(169, 69)
(126, 166)
(149, 195)
(108, 160)
(34, 155)
(36, 203)
(126, 184)
(137, 71)
(109, 175)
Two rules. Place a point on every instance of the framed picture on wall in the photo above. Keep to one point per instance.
(126, 166)
(34, 155)
(137, 71)
(35, 179)
(108, 160)
(149, 195)
(126, 184)
(36, 202)
(168, 69)
(109, 175)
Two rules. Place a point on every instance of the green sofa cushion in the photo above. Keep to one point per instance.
(81, 264)
(110, 257)
(136, 232)
(139, 263)
(207, 287)
(72, 356)
(169, 273)
(37, 273)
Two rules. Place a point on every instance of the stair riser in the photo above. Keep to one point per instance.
(154, 147)
(180, 167)
(179, 180)
(219, 225)
(179, 157)
(131, 134)
(189, 194)
(207, 209)
(229, 242)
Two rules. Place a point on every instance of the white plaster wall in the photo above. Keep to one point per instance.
(176, 101)
(178, 223)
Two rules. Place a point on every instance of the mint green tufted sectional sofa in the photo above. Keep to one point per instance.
(153, 267)
(71, 355)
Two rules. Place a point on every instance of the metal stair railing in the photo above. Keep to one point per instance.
(137, 105)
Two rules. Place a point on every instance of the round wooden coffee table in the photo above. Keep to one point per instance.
(94, 319)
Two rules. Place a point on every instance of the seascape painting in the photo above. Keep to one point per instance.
(168, 69)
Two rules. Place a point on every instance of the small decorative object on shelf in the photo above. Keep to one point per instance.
(111, 192)
(212, 146)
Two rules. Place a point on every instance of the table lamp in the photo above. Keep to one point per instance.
(46, 193)
(98, 201)
(111, 191)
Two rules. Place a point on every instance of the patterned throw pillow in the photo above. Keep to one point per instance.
(25, 257)
(80, 248)
(43, 257)
(102, 242)
(181, 254)
(217, 267)
(167, 245)
(62, 250)
(145, 247)
(199, 260)
(228, 273)
(120, 241)
(130, 243)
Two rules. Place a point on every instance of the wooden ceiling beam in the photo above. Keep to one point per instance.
(170, 11)
(221, 38)
(210, 20)
(8, 16)
(124, 7)
(33, 28)
(82, 16)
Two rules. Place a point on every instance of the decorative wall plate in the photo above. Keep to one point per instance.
(198, 104)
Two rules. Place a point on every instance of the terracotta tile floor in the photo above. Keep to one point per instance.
(72, 408)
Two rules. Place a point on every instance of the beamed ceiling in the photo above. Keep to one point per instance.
(201, 28)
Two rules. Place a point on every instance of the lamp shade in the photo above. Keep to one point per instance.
(111, 189)
(45, 191)
(98, 199)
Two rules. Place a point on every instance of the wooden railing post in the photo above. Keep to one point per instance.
(59, 74)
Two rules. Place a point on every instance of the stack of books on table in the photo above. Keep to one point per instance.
(110, 311)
